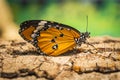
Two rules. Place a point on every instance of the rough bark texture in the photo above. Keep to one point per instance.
(19, 60)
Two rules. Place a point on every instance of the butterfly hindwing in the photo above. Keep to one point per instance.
(56, 39)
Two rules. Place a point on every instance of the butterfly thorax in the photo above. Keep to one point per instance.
(82, 38)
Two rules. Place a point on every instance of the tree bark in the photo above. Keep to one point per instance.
(20, 60)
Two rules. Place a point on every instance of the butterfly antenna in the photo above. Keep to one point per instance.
(87, 23)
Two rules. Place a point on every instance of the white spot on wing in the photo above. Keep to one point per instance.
(49, 25)
(57, 25)
(42, 23)
(68, 29)
(39, 27)
(33, 35)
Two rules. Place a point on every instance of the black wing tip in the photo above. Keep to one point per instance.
(29, 23)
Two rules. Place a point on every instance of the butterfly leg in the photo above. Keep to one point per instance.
(92, 46)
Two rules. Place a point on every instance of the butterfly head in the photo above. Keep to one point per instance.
(82, 38)
(86, 35)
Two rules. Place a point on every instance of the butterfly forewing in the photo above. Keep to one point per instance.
(27, 33)
(27, 28)
(50, 38)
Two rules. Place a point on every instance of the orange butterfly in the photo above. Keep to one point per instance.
(52, 38)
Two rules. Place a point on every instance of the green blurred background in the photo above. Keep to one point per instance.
(103, 15)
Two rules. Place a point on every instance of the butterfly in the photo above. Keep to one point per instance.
(52, 38)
